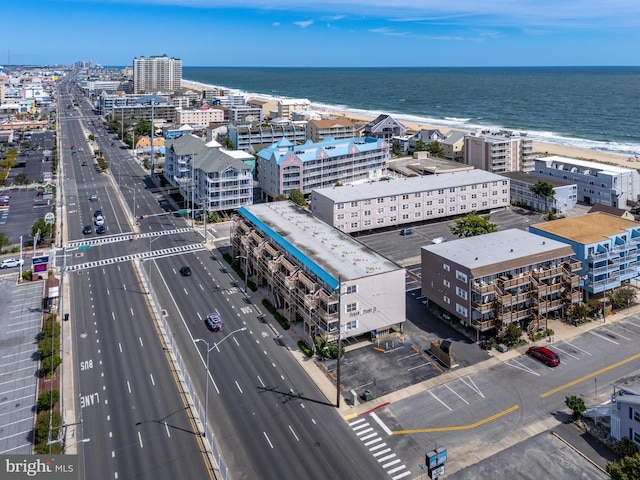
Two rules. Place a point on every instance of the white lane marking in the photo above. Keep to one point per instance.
(381, 423)
(614, 333)
(371, 442)
(556, 347)
(294, 433)
(367, 437)
(391, 463)
(265, 436)
(201, 287)
(355, 422)
(141, 344)
(235, 340)
(573, 346)
(603, 337)
(382, 452)
(520, 366)
(388, 457)
(382, 445)
(120, 347)
(626, 329)
(456, 394)
(261, 382)
(167, 429)
(132, 314)
(140, 438)
(128, 386)
(402, 475)
(238, 385)
(113, 316)
(358, 427)
(185, 291)
(154, 383)
(444, 404)
(474, 387)
(313, 420)
(366, 430)
(108, 292)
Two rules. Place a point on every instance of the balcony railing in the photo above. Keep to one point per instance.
(483, 325)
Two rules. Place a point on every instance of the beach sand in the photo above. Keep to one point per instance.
(544, 149)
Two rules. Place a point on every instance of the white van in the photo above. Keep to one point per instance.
(438, 240)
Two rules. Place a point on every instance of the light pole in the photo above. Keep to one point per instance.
(151, 240)
(134, 200)
(206, 389)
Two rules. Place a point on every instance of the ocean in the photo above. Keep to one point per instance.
(586, 107)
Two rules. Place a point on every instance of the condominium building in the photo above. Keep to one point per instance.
(336, 128)
(253, 138)
(207, 175)
(286, 106)
(384, 127)
(315, 275)
(156, 74)
(499, 152)
(511, 276)
(367, 206)
(597, 182)
(199, 116)
(284, 167)
(565, 193)
(607, 245)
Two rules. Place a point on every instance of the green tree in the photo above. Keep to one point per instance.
(42, 433)
(142, 128)
(421, 146)
(580, 312)
(435, 149)
(4, 241)
(628, 468)
(622, 297)
(47, 400)
(577, 406)
(21, 178)
(49, 364)
(44, 228)
(543, 189)
(625, 447)
(280, 198)
(297, 197)
(472, 224)
(512, 335)
(228, 143)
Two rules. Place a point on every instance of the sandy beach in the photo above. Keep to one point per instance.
(542, 147)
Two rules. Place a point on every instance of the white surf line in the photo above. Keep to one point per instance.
(603, 337)
(522, 367)
(573, 346)
(381, 423)
(614, 333)
(473, 386)
(556, 347)
(444, 404)
(456, 393)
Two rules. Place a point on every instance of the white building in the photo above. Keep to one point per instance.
(157, 74)
(283, 166)
(286, 106)
(317, 275)
(597, 182)
(565, 193)
(354, 208)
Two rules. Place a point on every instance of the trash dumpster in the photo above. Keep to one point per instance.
(502, 347)
(367, 395)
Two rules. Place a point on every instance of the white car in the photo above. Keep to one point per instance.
(11, 262)
(99, 220)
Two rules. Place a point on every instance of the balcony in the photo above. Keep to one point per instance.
(482, 308)
(506, 283)
(508, 300)
(481, 288)
(546, 272)
(514, 316)
(483, 325)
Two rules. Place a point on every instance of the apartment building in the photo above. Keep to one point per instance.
(499, 152)
(317, 276)
(384, 127)
(336, 128)
(511, 276)
(597, 182)
(253, 138)
(392, 203)
(607, 246)
(284, 167)
(246, 114)
(565, 193)
(207, 175)
(156, 74)
(286, 106)
(199, 116)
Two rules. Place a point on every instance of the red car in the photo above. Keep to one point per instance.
(545, 355)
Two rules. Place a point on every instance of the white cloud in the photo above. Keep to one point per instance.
(304, 23)
(276, 24)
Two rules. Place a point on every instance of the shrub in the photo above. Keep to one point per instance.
(625, 447)
(576, 404)
(41, 432)
(49, 365)
(46, 400)
(305, 349)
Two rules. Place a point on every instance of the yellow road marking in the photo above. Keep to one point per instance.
(458, 427)
(591, 375)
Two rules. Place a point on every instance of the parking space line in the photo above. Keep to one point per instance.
(456, 393)
(473, 386)
(565, 352)
(381, 423)
(603, 337)
(577, 348)
(626, 330)
(444, 404)
(521, 366)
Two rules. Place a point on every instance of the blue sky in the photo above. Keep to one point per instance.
(326, 33)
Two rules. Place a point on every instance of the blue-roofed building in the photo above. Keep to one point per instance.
(284, 166)
(317, 275)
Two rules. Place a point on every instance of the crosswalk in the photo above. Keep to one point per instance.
(388, 460)
(164, 252)
(94, 242)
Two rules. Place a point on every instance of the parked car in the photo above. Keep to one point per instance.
(99, 220)
(101, 230)
(213, 321)
(438, 240)
(406, 231)
(11, 262)
(87, 230)
(545, 355)
(185, 270)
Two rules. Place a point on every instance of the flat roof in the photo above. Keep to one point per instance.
(601, 167)
(534, 177)
(590, 228)
(514, 246)
(385, 188)
(328, 252)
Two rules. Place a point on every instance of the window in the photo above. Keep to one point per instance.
(367, 223)
(417, 205)
(452, 209)
(354, 214)
(461, 276)
(429, 202)
(417, 214)
(393, 198)
(446, 299)
(441, 200)
(351, 289)
(393, 218)
(416, 195)
(352, 307)
(351, 325)
(405, 207)
(461, 293)
(354, 225)
(452, 199)
(380, 200)
(393, 208)
(452, 190)
(367, 213)
(405, 197)
(446, 267)
(367, 202)
(340, 206)
(461, 310)
(441, 191)
(354, 204)
(405, 216)
(380, 211)
(446, 283)
(340, 216)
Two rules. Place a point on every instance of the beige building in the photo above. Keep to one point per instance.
(384, 204)
(490, 281)
(199, 117)
(286, 106)
(336, 128)
(156, 74)
(499, 152)
(317, 276)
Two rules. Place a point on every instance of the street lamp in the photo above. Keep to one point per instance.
(134, 198)
(206, 389)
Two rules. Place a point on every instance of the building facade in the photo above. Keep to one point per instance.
(607, 245)
(199, 117)
(156, 74)
(384, 127)
(597, 182)
(318, 276)
(253, 138)
(499, 152)
(286, 106)
(565, 193)
(337, 128)
(511, 276)
(384, 204)
(208, 176)
(284, 167)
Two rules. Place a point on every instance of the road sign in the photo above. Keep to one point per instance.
(84, 247)
(183, 211)
(49, 218)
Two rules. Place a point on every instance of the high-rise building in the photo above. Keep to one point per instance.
(156, 74)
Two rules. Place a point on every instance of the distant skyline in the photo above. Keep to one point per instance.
(331, 33)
